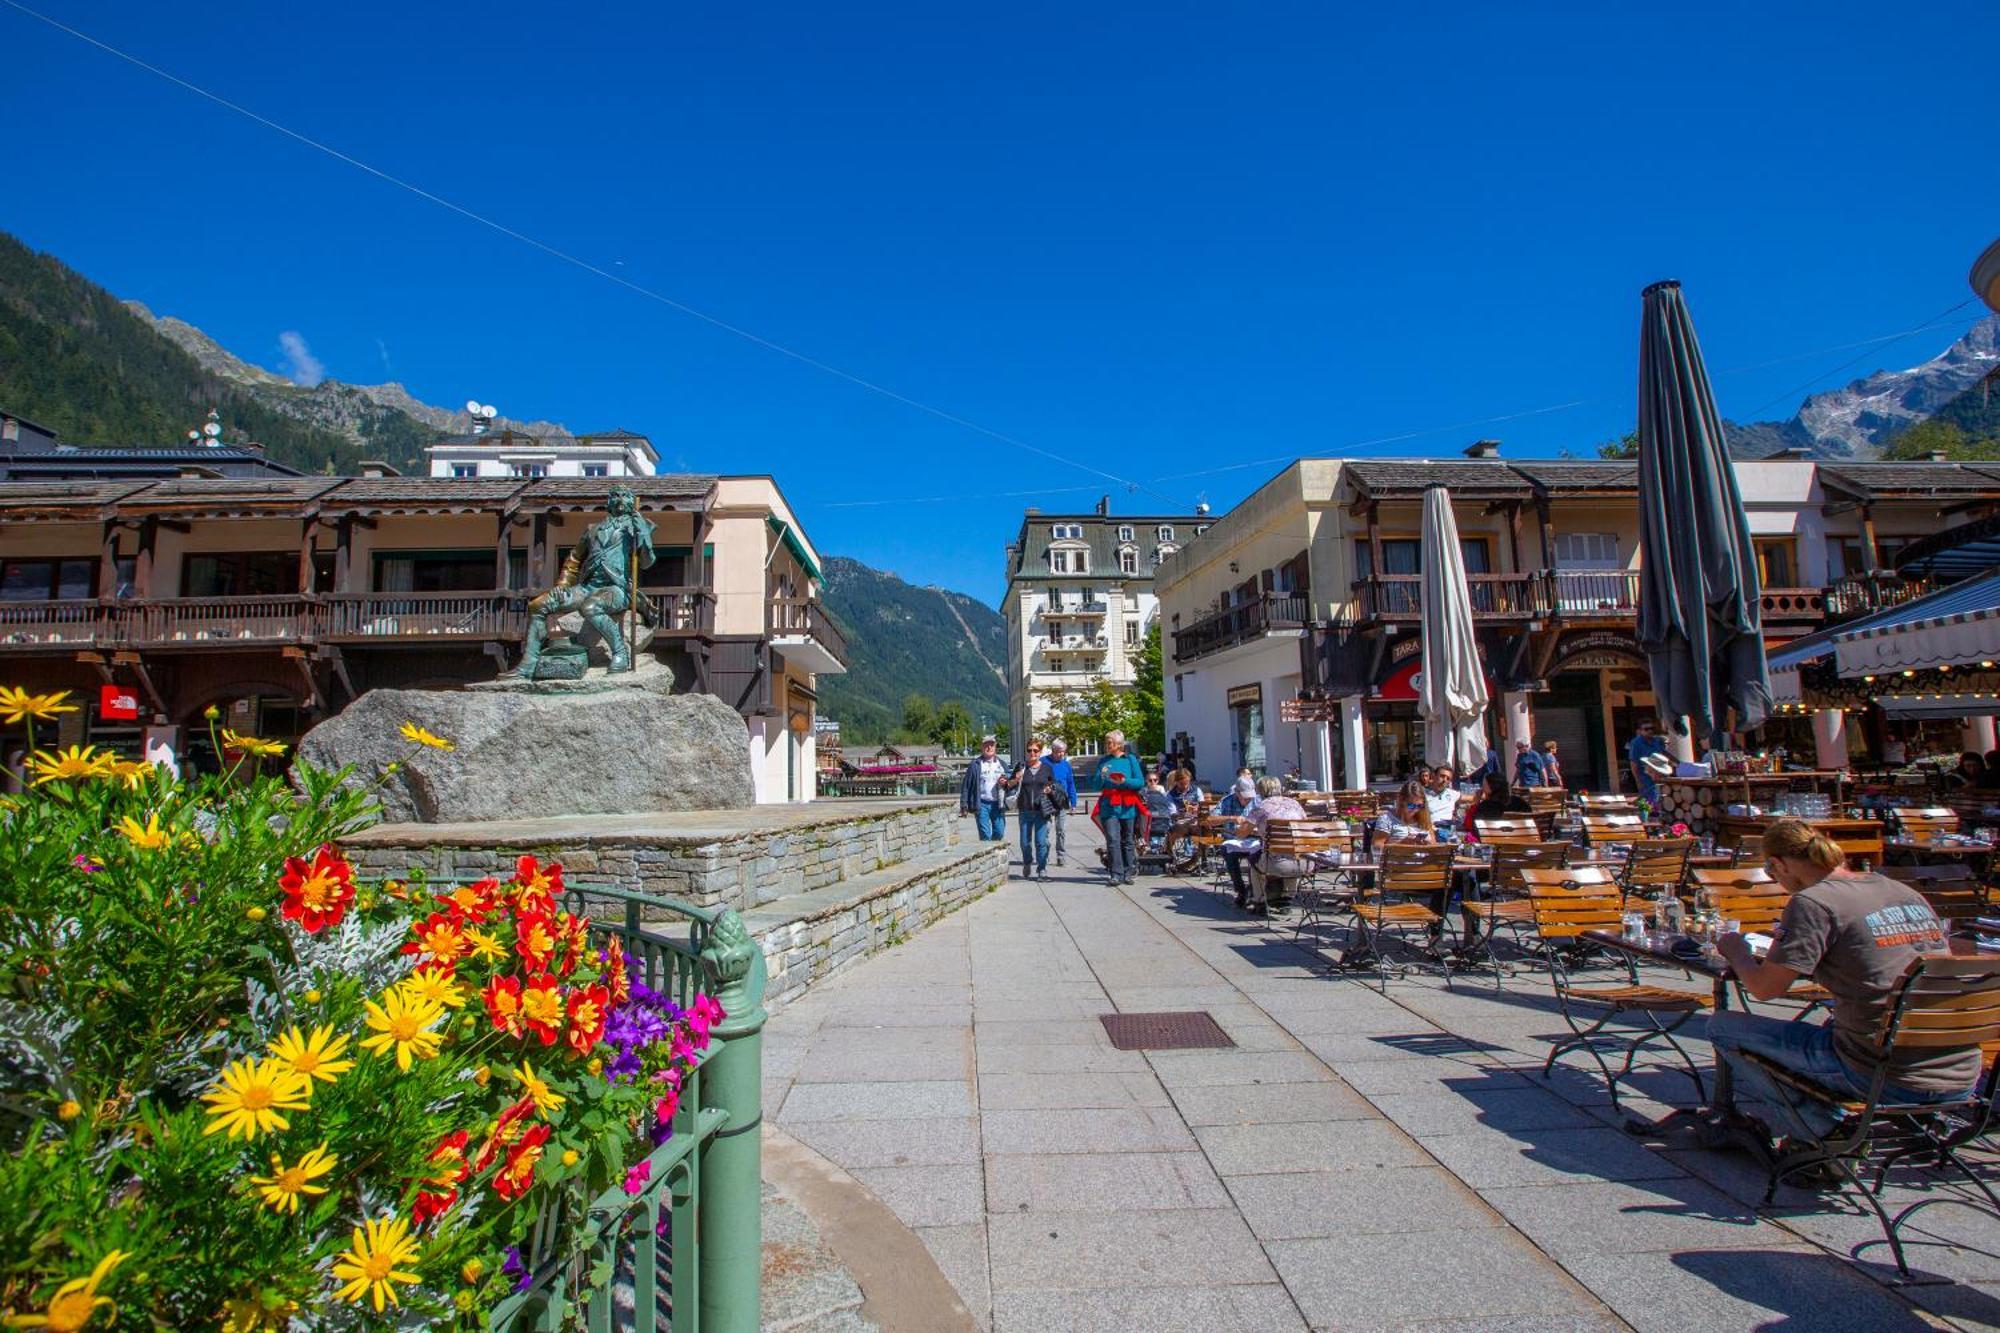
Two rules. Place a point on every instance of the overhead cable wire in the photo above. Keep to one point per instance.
(555, 252)
(1893, 338)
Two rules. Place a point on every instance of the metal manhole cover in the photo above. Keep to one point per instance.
(1163, 1032)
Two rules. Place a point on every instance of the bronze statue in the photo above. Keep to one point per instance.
(600, 581)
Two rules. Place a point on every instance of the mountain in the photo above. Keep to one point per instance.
(905, 640)
(1860, 420)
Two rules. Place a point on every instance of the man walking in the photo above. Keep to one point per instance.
(1528, 768)
(1118, 808)
(1065, 777)
(983, 792)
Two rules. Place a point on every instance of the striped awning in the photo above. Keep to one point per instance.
(1959, 626)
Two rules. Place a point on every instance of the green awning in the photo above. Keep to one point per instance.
(790, 537)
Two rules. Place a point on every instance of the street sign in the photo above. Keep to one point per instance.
(1308, 710)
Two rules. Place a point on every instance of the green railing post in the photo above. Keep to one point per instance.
(732, 1161)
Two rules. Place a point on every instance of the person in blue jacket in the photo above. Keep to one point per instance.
(1065, 776)
(1529, 771)
(1123, 780)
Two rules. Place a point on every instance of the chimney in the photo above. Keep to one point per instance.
(1794, 451)
(1938, 456)
(1104, 506)
(10, 429)
(375, 470)
(1032, 510)
(1483, 449)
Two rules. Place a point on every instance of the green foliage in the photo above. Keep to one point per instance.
(1148, 697)
(919, 715)
(75, 359)
(1940, 434)
(1625, 446)
(953, 727)
(904, 640)
(144, 949)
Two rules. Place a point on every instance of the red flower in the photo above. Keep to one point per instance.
(573, 932)
(317, 892)
(517, 1175)
(589, 1006)
(505, 1130)
(542, 1008)
(430, 1203)
(441, 936)
(471, 904)
(536, 886)
(535, 941)
(503, 1004)
(614, 976)
(441, 1190)
(664, 1108)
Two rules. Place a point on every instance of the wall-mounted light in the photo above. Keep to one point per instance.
(1232, 566)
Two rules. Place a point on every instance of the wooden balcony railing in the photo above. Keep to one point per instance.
(1865, 594)
(1241, 624)
(804, 616)
(683, 611)
(1590, 593)
(50, 624)
(1794, 604)
(213, 621)
(1494, 596)
(406, 615)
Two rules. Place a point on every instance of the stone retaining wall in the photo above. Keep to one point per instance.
(741, 869)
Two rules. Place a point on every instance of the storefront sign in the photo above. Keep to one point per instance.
(1590, 650)
(116, 703)
(1404, 682)
(1245, 696)
(1405, 648)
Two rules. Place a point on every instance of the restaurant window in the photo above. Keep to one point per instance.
(446, 571)
(1400, 555)
(245, 574)
(1854, 560)
(48, 580)
(1777, 562)
(1586, 550)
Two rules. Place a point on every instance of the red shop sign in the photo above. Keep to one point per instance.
(115, 703)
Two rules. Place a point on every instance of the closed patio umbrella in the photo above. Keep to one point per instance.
(1453, 698)
(1700, 622)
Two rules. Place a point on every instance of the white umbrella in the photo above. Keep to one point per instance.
(1453, 698)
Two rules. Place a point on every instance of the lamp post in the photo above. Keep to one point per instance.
(1986, 276)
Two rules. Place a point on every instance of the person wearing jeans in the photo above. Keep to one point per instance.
(1119, 808)
(983, 793)
(1039, 793)
(1065, 777)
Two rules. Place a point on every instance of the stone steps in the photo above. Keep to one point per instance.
(809, 936)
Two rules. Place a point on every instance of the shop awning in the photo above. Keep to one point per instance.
(790, 537)
(1917, 707)
(1956, 627)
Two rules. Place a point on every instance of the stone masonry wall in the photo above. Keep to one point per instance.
(743, 871)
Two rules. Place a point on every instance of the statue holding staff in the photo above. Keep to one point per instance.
(599, 581)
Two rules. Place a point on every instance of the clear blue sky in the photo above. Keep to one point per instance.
(1159, 238)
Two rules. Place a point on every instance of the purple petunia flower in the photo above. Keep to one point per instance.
(516, 1269)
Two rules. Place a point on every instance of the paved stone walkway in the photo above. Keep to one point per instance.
(1356, 1161)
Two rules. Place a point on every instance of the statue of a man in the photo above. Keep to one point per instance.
(599, 580)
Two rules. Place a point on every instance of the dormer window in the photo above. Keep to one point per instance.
(1128, 560)
(1125, 533)
(1166, 549)
(1166, 532)
(1067, 532)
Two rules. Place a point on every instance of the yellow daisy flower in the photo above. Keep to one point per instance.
(147, 837)
(251, 745)
(434, 985)
(250, 1095)
(130, 772)
(282, 1188)
(382, 1255)
(401, 1022)
(78, 762)
(251, 1315)
(16, 704)
(546, 1099)
(416, 735)
(75, 1301)
(314, 1057)
(483, 945)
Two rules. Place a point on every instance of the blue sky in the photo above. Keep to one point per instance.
(1157, 239)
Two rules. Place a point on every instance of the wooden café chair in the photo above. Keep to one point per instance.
(1409, 879)
(1503, 832)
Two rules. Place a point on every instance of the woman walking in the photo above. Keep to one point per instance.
(1041, 796)
(1118, 809)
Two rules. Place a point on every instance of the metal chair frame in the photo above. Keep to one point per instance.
(1410, 875)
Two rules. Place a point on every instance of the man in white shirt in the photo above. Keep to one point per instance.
(1441, 794)
(983, 792)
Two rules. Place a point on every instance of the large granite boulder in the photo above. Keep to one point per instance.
(600, 746)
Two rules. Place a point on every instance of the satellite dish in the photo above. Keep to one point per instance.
(472, 407)
(194, 435)
(489, 411)
(212, 429)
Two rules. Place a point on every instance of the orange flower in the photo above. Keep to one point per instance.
(505, 1130)
(503, 1004)
(317, 892)
(441, 936)
(535, 941)
(518, 1174)
(615, 977)
(589, 1006)
(573, 932)
(471, 904)
(542, 1008)
(441, 1184)
(536, 886)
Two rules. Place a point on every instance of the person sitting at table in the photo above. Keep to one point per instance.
(1242, 798)
(1407, 816)
(1971, 772)
(1160, 808)
(1496, 801)
(1855, 933)
(1272, 803)
(1181, 790)
(1441, 795)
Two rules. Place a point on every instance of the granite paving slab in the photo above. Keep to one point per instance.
(1185, 1247)
(1409, 1278)
(1295, 1205)
(1101, 1183)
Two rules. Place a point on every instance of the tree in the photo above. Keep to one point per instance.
(952, 727)
(919, 716)
(1082, 716)
(1147, 697)
(1625, 446)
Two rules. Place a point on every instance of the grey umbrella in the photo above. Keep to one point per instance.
(1700, 622)
(1453, 698)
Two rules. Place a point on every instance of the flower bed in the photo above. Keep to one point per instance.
(241, 1090)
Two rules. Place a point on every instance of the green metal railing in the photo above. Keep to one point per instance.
(689, 1248)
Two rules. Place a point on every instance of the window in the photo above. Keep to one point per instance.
(445, 571)
(1201, 529)
(1166, 532)
(1180, 695)
(1131, 634)
(1777, 562)
(1125, 533)
(1586, 550)
(1059, 562)
(465, 470)
(1067, 532)
(249, 573)
(531, 469)
(1128, 561)
(52, 580)
(596, 469)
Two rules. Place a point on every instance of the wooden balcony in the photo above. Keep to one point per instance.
(212, 622)
(1594, 594)
(1794, 605)
(1269, 613)
(26, 626)
(1865, 594)
(807, 625)
(1494, 596)
(367, 616)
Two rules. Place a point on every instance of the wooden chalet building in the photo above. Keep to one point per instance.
(280, 600)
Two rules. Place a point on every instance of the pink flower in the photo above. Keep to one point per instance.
(85, 864)
(663, 1109)
(636, 1178)
(705, 1014)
